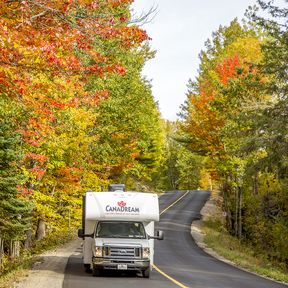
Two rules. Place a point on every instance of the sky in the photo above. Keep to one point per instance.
(178, 31)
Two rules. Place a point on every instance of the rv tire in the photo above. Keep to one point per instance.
(96, 272)
(146, 273)
(87, 268)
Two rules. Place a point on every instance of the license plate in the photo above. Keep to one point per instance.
(122, 266)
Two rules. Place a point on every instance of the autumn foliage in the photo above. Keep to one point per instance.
(59, 60)
(232, 119)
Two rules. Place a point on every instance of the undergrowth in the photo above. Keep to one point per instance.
(241, 253)
(17, 267)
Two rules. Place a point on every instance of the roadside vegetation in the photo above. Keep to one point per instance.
(241, 253)
(16, 268)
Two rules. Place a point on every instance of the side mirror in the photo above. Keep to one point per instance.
(160, 235)
(82, 235)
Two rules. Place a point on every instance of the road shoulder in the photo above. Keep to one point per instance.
(208, 210)
(49, 270)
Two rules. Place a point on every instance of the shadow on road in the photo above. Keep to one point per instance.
(75, 267)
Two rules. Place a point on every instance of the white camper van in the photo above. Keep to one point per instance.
(118, 231)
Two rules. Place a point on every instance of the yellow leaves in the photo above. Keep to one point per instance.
(247, 48)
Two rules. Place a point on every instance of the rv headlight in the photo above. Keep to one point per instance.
(146, 252)
(98, 251)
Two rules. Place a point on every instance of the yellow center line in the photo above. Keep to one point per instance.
(174, 203)
(157, 268)
(170, 278)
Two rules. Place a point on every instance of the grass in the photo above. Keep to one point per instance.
(9, 279)
(20, 266)
(240, 253)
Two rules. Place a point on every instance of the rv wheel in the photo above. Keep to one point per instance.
(87, 268)
(146, 273)
(96, 272)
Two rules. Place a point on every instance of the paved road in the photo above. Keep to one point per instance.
(177, 256)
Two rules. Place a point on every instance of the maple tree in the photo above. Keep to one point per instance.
(215, 123)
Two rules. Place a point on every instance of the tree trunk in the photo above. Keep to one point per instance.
(41, 229)
(28, 241)
(255, 184)
(1, 253)
(224, 189)
(236, 210)
(14, 248)
(240, 214)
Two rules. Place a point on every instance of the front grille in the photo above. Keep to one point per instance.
(117, 252)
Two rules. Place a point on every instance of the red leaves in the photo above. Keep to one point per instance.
(24, 191)
(38, 172)
(49, 52)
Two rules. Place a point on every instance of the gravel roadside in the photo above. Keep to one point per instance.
(48, 271)
(208, 210)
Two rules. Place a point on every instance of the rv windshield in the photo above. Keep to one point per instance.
(113, 229)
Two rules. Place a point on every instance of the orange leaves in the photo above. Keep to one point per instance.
(36, 157)
(228, 69)
(203, 123)
(129, 36)
(117, 3)
(100, 70)
(223, 90)
(234, 68)
(69, 174)
(50, 53)
(92, 99)
(115, 68)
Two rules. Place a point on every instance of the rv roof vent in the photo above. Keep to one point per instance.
(115, 187)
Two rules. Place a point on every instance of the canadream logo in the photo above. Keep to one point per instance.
(121, 204)
(122, 207)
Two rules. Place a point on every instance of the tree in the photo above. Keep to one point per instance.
(50, 53)
(129, 136)
(216, 121)
(14, 209)
(189, 166)
(271, 129)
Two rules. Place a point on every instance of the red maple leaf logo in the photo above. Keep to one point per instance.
(121, 204)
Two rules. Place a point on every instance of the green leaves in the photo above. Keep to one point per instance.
(14, 210)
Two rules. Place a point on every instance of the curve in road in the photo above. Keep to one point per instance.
(179, 261)
(180, 258)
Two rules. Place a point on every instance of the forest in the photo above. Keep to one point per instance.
(76, 114)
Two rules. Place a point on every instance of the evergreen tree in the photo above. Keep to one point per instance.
(14, 210)
(272, 126)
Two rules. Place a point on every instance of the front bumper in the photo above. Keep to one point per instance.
(113, 264)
